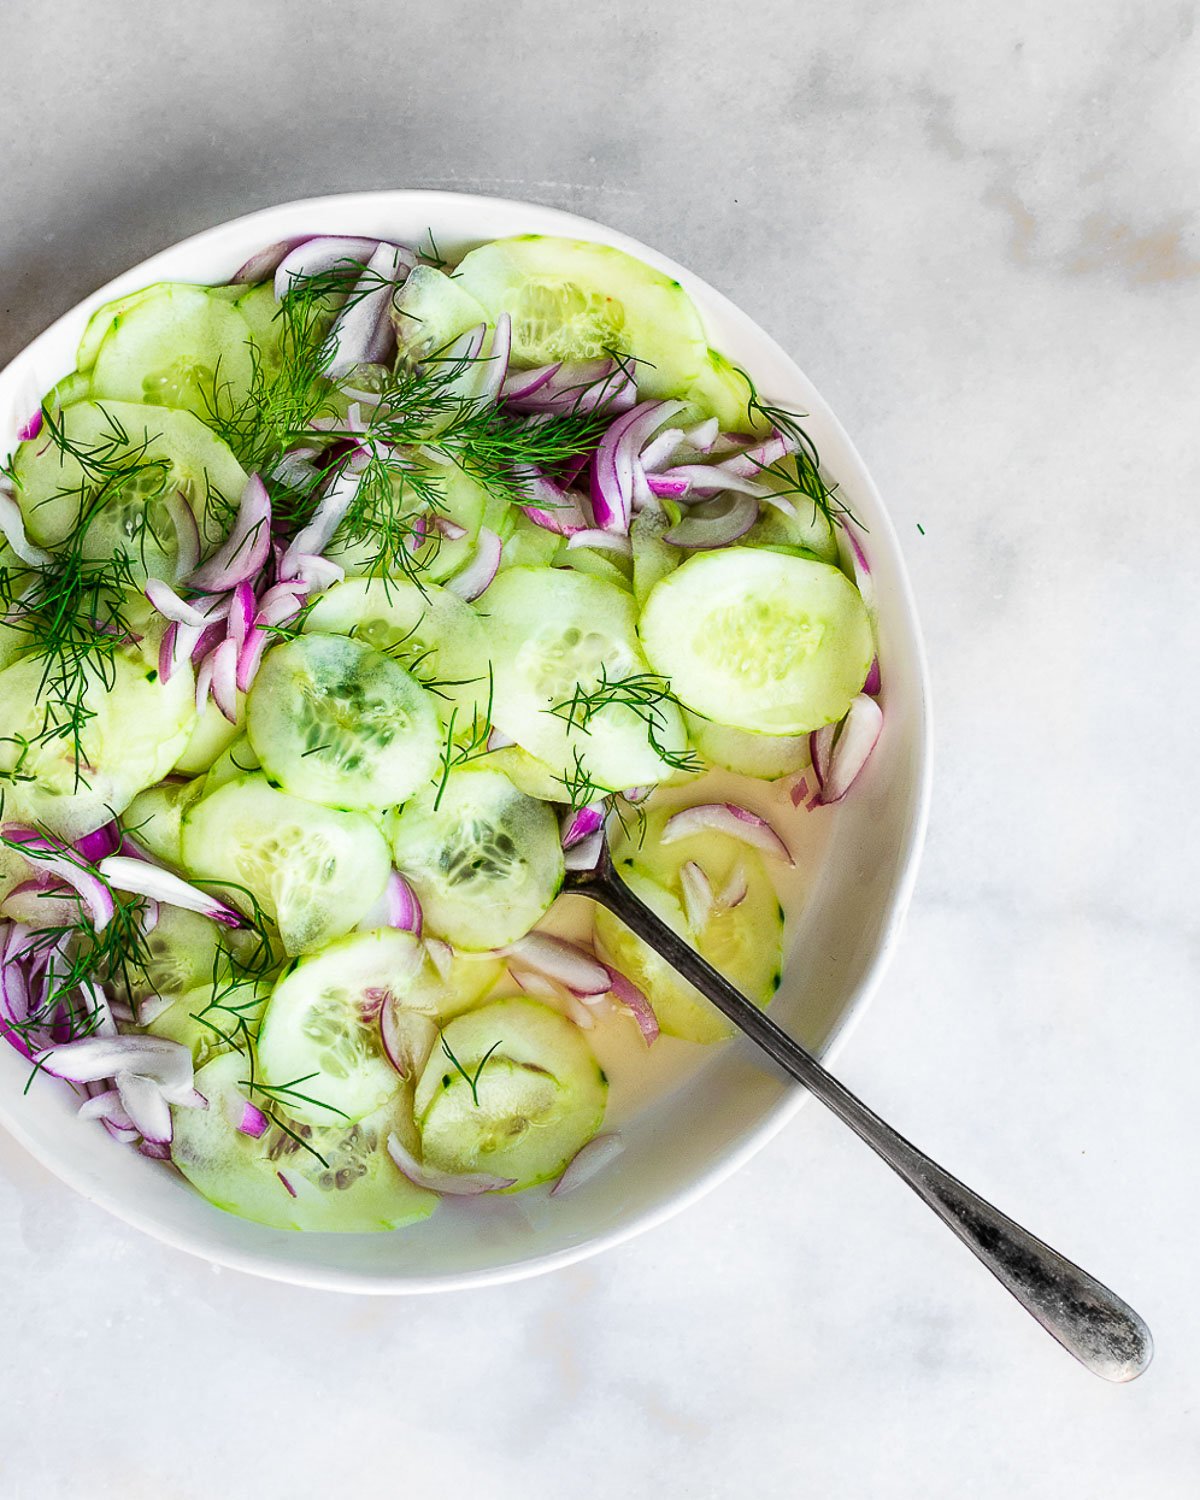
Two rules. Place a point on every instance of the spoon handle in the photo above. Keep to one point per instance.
(1091, 1322)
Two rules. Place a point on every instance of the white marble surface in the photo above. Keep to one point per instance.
(975, 226)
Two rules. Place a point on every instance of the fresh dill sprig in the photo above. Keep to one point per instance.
(472, 1079)
(645, 694)
(807, 480)
(577, 783)
(472, 746)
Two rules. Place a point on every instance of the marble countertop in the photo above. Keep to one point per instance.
(975, 227)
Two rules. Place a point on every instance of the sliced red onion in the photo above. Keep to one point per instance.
(12, 525)
(584, 855)
(521, 384)
(704, 479)
(604, 541)
(636, 794)
(874, 683)
(321, 253)
(563, 389)
(107, 1106)
(534, 983)
(287, 1184)
(583, 1015)
(93, 1058)
(241, 613)
(702, 436)
(840, 751)
(143, 1102)
(482, 568)
(155, 1150)
(549, 505)
(169, 655)
(752, 461)
(263, 263)
(245, 1117)
(95, 845)
(224, 678)
(441, 955)
(187, 534)
(626, 993)
(153, 1006)
(714, 523)
(497, 360)
(659, 451)
(168, 603)
(698, 898)
(582, 823)
(397, 907)
(362, 333)
(728, 818)
(465, 1184)
(564, 962)
(311, 540)
(735, 890)
(204, 676)
(29, 429)
(246, 548)
(296, 468)
(142, 879)
(53, 860)
(98, 1010)
(587, 1161)
(280, 602)
(498, 740)
(407, 1036)
(616, 462)
(451, 530)
(799, 791)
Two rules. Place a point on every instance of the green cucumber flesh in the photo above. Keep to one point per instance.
(484, 859)
(315, 872)
(337, 722)
(533, 1097)
(758, 640)
(336, 1178)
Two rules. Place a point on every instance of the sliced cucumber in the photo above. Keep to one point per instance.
(744, 942)
(528, 774)
(315, 872)
(180, 347)
(211, 737)
(154, 819)
(572, 299)
(338, 722)
(530, 545)
(162, 452)
(429, 630)
(809, 528)
(335, 1178)
(522, 1113)
(209, 1022)
(133, 728)
(484, 859)
(595, 562)
(766, 757)
(261, 312)
(653, 558)
(456, 498)
(556, 635)
(430, 310)
(758, 640)
(236, 761)
(319, 1046)
(721, 390)
(179, 953)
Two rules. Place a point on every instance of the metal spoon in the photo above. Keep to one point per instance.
(1091, 1322)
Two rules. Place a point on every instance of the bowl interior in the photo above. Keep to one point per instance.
(686, 1142)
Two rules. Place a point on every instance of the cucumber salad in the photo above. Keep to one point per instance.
(344, 609)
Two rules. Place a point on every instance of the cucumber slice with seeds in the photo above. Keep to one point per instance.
(576, 300)
(484, 859)
(759, 640)
(337, 722)
(336, 1178)
(315, 872)
(534, 1094)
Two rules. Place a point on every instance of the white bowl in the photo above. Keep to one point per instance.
(681, 1145)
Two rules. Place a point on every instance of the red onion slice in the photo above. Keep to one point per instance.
(362, 333)
(57, 861)
(840, 751)
(91, 1059)
(321, 253)
(311, 540)
(497, 360)
(397, 907)
(12, 525)
(408, 1036)
(246, 548)
(704, 479)
(263, 263)
(142, 1100)
(224, 678)
(587, 1162)
(30, 428)
(626, 993)
(604, 541)
(245, 1117)
(616, 462)
(465, 1184)
(660, 450)
(566, 963)
(728, 818)
(483, 567)
(187, 534)
(521, 384)
(874, 683)
(549, 505)
(735, 889)
(698, 898)
(107, 1106)
(714, 523)
(703, 435)
(594, 385)
(140, 878)
(582, 824)
(241, 613)
(101, 841)
(586, 854)
(168, 603)
(753, 460)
